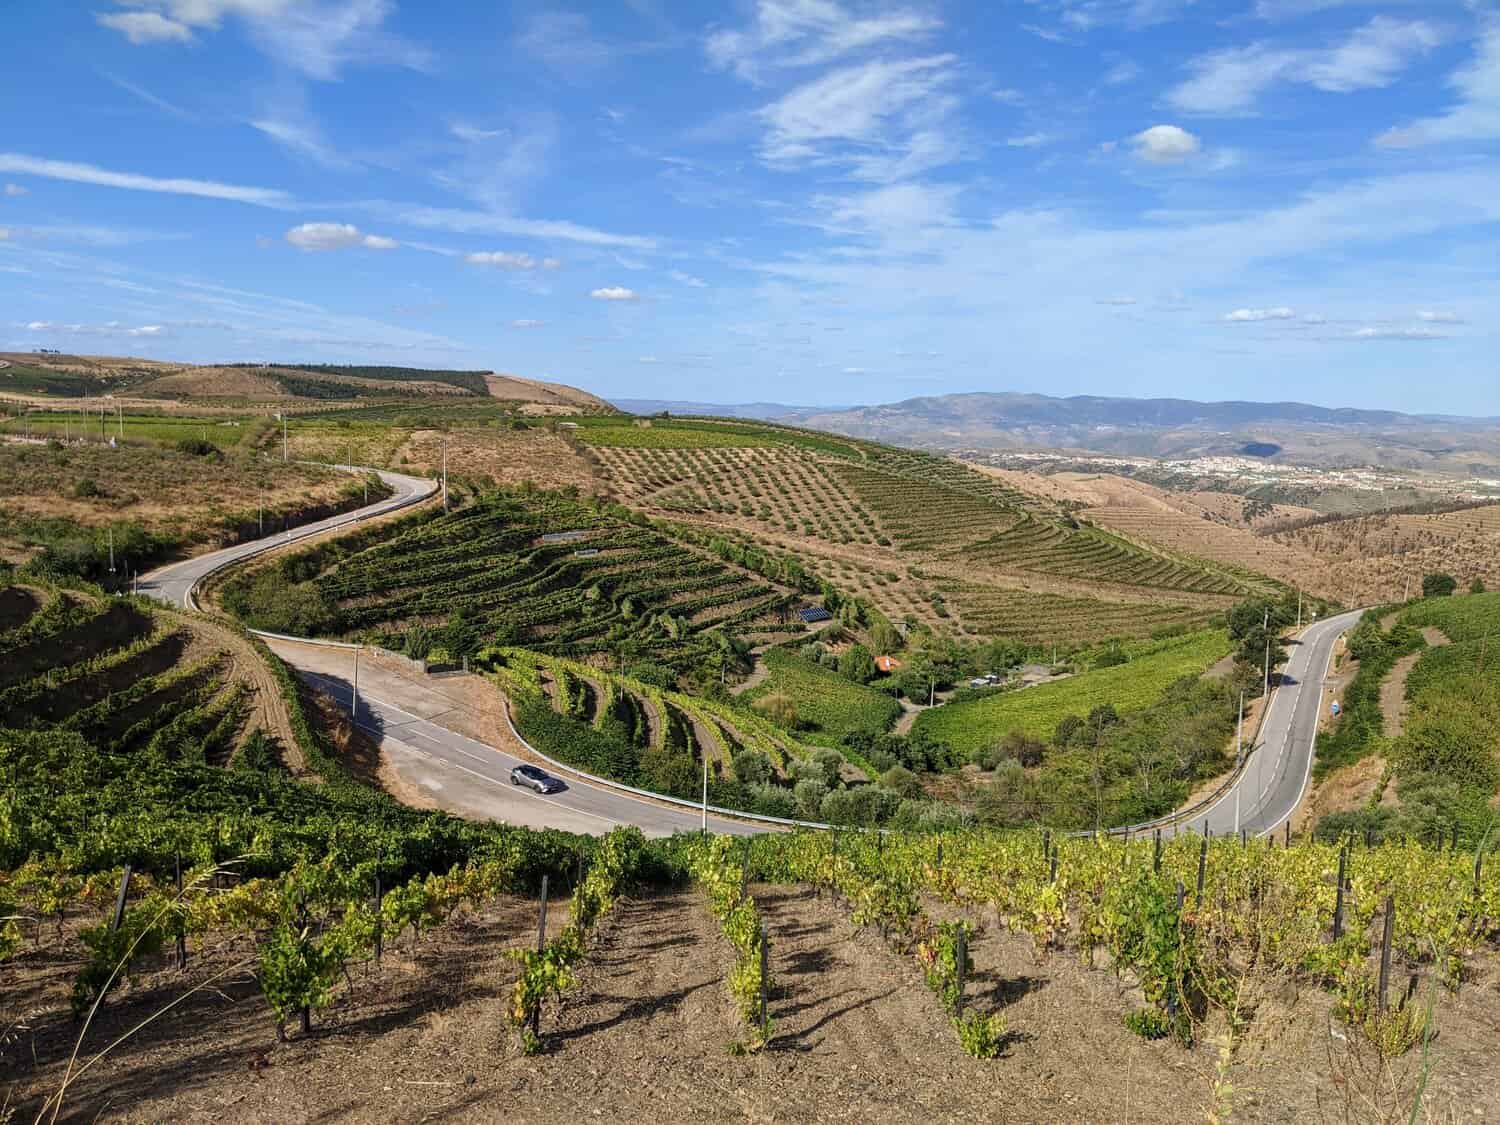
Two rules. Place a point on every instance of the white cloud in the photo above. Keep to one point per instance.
(103, 177)
(1119, 301)
(502, 259)
(615, 293)
(897, 208)
(1121, 73)
(146, 27)
(335, 236)
(14, 190)
(551, 263)
(563, 41)
(1431, 316)
(1248, 316)
(795, 33)
(1008, 97)
(1476, 117)
(648, 359)
(1397, 334)
(113, 328)
(304, 138)
(1165, 144)
(687, 279)
(854, 371)
(527, 323)
(317, 37)
(490, 222)
(1230, 81)
(4, 234)
(1030, 140)
(885, 117)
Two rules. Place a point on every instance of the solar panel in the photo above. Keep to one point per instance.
(812, 614)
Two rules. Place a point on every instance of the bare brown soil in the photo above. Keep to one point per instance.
(1393, 687)
(216, 382)
(506, 456)
(516, 389)
(646, 1035)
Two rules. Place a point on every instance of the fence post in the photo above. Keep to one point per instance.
(1046, 842)
(963, 960)
(1244, 838)
(1385, 949)
(1156, 853)
(541, 941)
(1478, 866)
(181, 936)
(1289, 832)
(940, 855)
(1202, 869)
(119, 915)
(1338, 901)
(1205, 828)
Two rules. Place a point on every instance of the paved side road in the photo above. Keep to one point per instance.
(1279, 765)
(174, 584)
(467, 776)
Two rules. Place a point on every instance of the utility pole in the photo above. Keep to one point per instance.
(1266, 686)
(119, 420)
(260, 495)
(1299, 609)
(283, 437)
(445, 508)
(1406, 587)
(705, 795)
(1239, 734)
(354, 699)
(111, 549)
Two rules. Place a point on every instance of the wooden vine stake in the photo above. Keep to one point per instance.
(1202, 869)
(765, 972)
(119, 915)
(379, 902)
(1338, 900)
(1385, 950)
(541, 941)
(1156, 852)
(181, 935)
(963, 961)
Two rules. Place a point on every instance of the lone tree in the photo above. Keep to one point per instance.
(1476, 586)
(1438, 585)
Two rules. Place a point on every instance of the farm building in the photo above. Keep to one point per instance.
(887, 663)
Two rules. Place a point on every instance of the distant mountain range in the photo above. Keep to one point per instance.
(1157, 427)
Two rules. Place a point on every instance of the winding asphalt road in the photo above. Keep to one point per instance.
(470, 776)
(455, 771)
(1278, 766)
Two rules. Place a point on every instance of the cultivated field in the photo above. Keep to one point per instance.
(1036, 711)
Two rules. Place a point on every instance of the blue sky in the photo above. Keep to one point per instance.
(806, 201)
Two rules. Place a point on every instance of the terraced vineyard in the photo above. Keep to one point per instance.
(1047, 547)
(563, 576)
(129, 679)
(652, 718)
(1044, 618)
(905, 529)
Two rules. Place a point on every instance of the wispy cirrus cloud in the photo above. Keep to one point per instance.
(1231, 81)
(801, 33)
(130, 181)
(1475, 117)
(316, 37)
